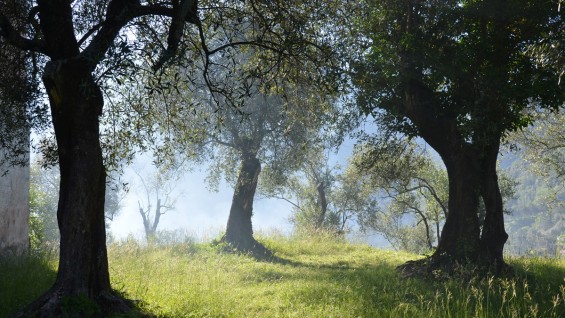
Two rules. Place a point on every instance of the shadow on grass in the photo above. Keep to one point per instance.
(23, 279)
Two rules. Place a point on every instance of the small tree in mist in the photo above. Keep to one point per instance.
(157, 200)
(323, 197)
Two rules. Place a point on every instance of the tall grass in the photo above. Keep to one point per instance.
(316, 276)
(23, 279)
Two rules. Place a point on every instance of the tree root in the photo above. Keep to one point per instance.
(444, 268)
(251, 247)
(57, 302)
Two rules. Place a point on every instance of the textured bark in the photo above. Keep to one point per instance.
(460, 234)
(494, 235)
(460, 239)
(239, 230)
(14, 210)
(76, 102)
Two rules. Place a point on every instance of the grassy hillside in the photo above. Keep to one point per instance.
(318, 278)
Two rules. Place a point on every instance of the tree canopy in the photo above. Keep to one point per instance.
(458, 75)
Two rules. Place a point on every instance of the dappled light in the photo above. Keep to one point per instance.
(376, 158)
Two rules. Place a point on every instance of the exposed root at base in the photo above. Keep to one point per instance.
(251, 247)
(58, 303)
(443, 268)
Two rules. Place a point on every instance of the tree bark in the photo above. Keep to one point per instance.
(76, 102)
(239, 230)
(459, 239)
(493, 235)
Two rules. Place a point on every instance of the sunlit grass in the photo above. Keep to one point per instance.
(314, 277)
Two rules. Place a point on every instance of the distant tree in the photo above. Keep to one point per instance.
(323, 197)
(309, 190)
(457, 74)
(157, 201)
(412, 191)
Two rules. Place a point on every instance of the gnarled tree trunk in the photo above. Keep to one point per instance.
(460, 235)
(76, 102)
(239, 230)
(493, 235)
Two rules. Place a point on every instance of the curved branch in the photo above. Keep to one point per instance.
(12, 36)
(186, 10)
(285, 199)
(433, 193)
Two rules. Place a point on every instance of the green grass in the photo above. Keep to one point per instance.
(320, 278)
(24, 279)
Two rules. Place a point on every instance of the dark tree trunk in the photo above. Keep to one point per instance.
(239, 230)
(323, 204)
(76, 102)
(460, 235)
(493, 235)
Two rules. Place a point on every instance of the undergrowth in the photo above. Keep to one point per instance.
(311, 276)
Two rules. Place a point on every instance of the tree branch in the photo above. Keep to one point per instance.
(186, 9)
(12, 36)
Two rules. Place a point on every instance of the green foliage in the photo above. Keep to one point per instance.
(21, 107)
(258, 82)
(536, 221)
(44, 197)
(411, 188)
(458, 51)
(543, 144)
(319, 277)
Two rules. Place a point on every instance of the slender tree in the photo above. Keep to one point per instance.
(253, 110)
(157, 201)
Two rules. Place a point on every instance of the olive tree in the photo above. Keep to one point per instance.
(458, 74)
(76, 37)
